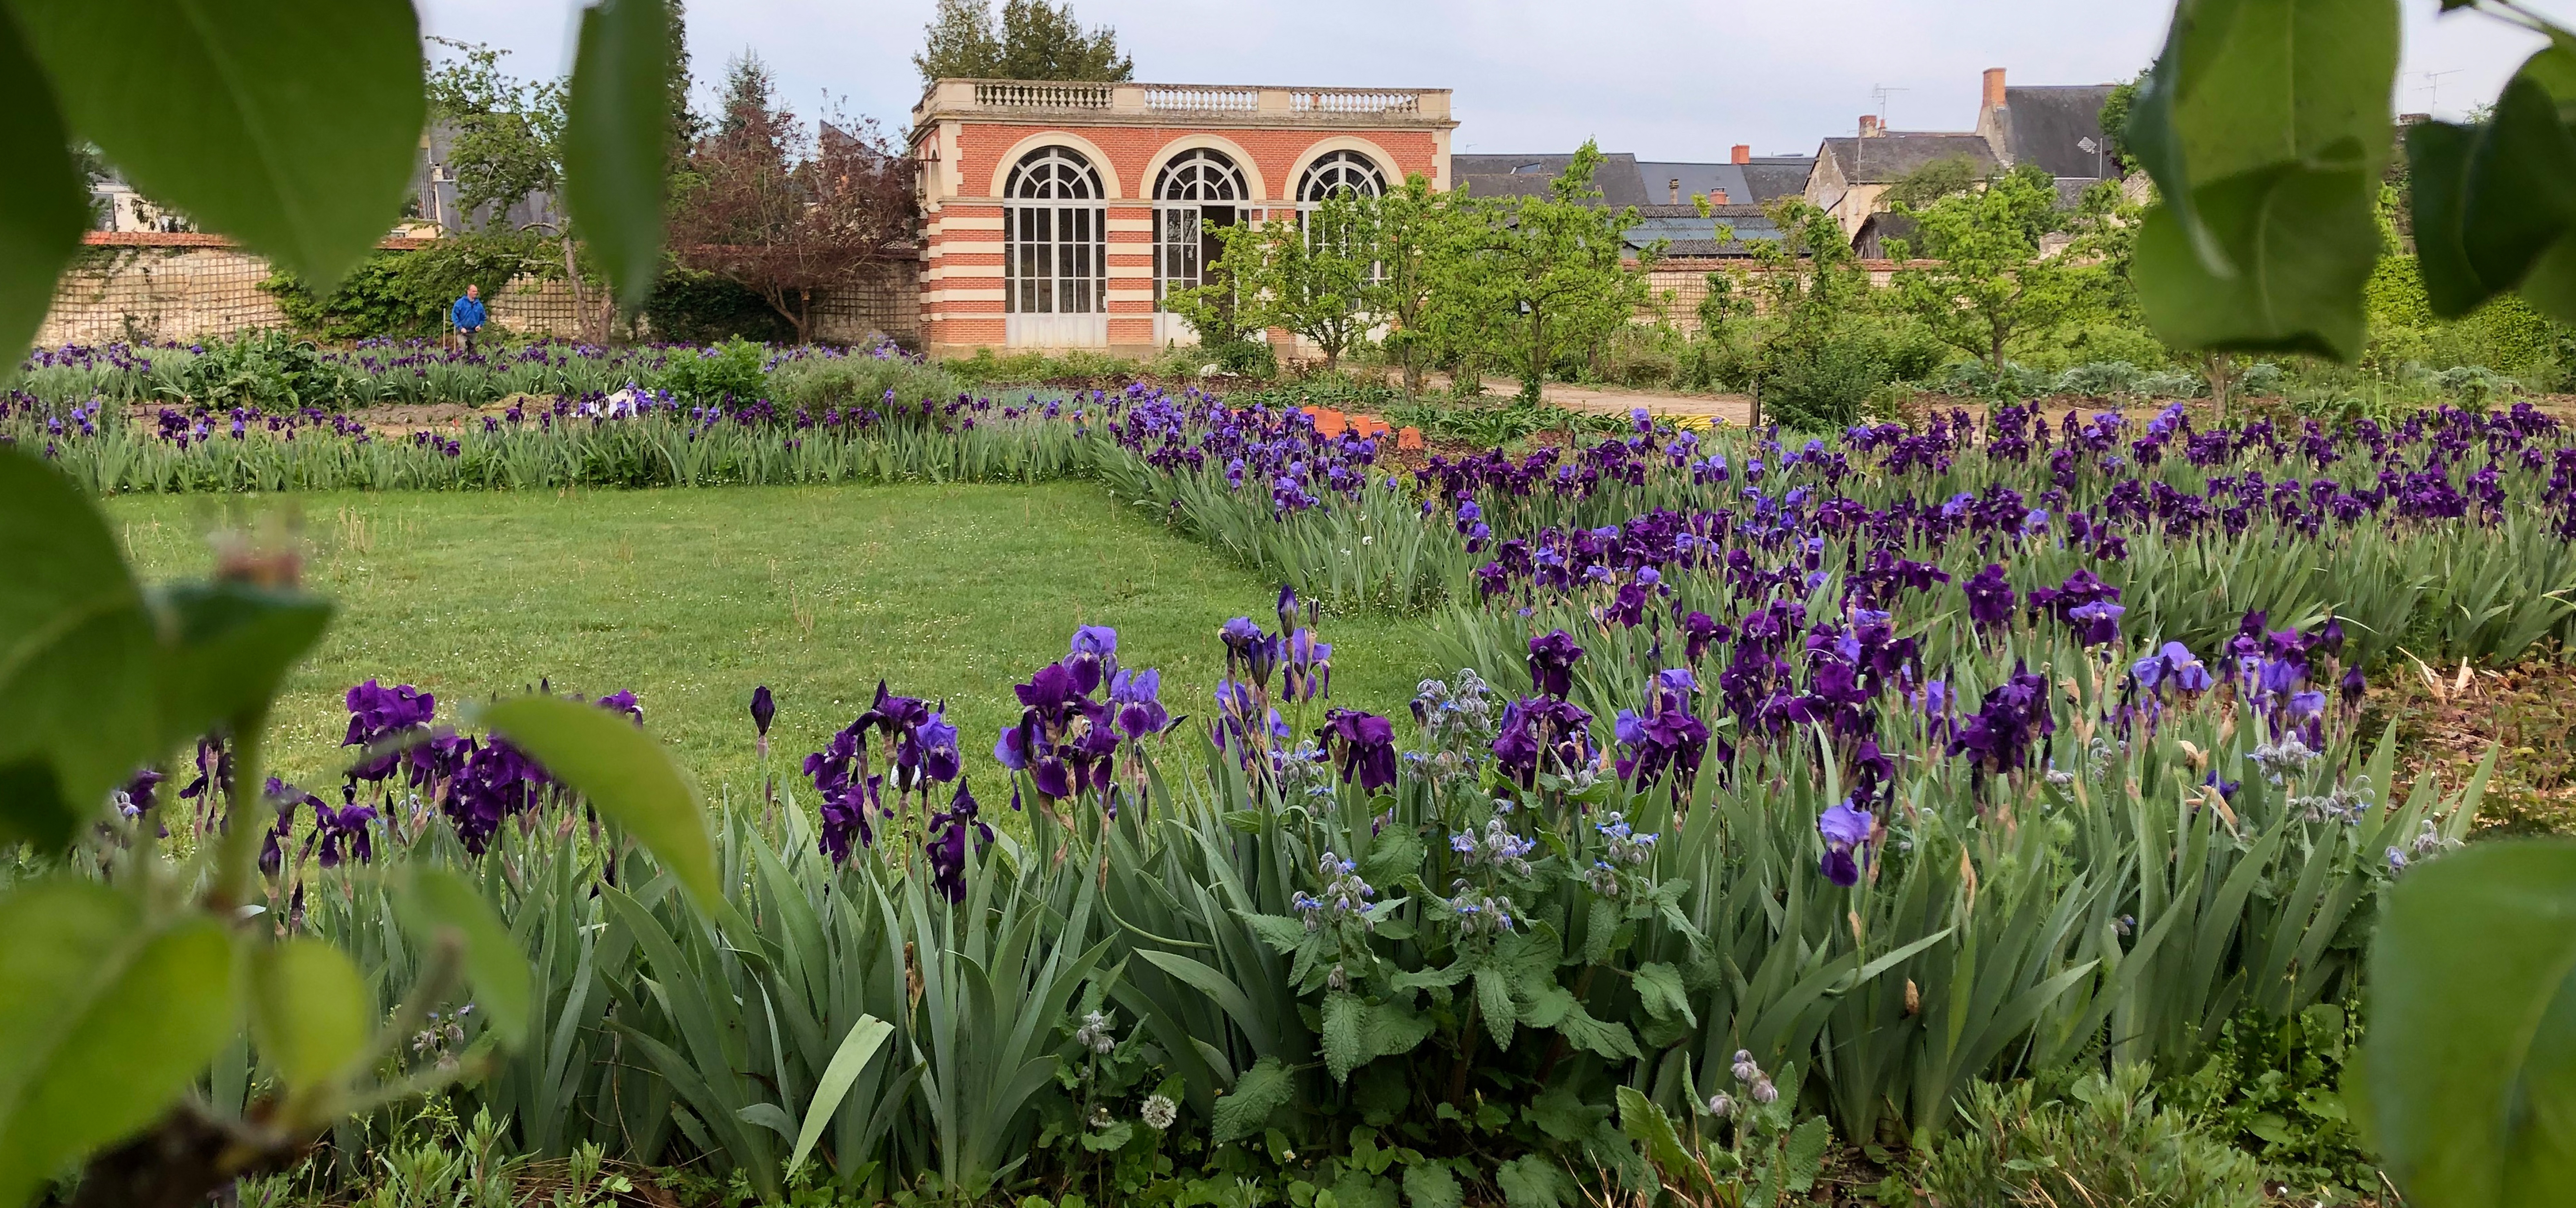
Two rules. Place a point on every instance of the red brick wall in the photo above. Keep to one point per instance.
(1130, 149)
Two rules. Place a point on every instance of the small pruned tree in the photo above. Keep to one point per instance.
(1995, 274)
(785, 210)
(1419, 235)
(1036, 41)
(1554, 268)
(1947, 176)
(1313, 274)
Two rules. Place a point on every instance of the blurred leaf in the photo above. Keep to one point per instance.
(310, 1012)
(2471, 1055)
(2437, 168)
(228, 647)
(2253, 86)
(76, 657)
(438, 901)
(2300, 243)
(861, 1044)
(2551, 285)
(629, 777)
(46, 205)
(2521, 187)
(617, 133)
(108, 1022)
(291, 124)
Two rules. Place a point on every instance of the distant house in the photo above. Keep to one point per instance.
(1664, 192)
(2057, 127)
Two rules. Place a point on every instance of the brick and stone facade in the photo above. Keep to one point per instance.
(1054, 213)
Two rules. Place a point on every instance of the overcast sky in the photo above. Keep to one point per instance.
(1678, 81)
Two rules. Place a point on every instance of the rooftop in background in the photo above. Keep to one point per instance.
(1661, 190)
(1878, 159)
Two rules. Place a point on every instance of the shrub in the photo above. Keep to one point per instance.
(1818, 384)
(376, 299)
(2272, 1087)
(2108, 1143)
(689, 306)
(800, 378)
(728, 372)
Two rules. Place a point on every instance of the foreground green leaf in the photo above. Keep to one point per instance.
(46, 204)
(857, 1049)
(310, 1012)
(436, 902)
(617, 132)
(107, 1020)
(2470, 1064)
(292, 124)
(2265, 124)
(227, 648)
(2301, 244)
(76, 657)
(625, 774)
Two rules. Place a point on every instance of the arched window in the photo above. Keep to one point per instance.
(1337, 171)
(1055, 239)
(1196, 195)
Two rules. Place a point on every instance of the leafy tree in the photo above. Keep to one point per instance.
(1551, 267)
(784, 209)
(1994, 276)
(508, 149)
(1947, 176)
(2115, 121)
(1418, 239)
(1036, 41)
(1313, 275)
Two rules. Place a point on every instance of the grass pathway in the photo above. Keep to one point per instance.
(692, 597)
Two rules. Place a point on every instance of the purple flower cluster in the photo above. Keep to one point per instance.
(1068, 734)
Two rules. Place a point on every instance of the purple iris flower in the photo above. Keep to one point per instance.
(763, 708)
(377, 713)
(623, 702)
(1541, 730)
(1364, 744)
(2352, 687)
(1551, 663)
(1135, 697)
(1846, 833)
(2013, 715)
(1990, 599)
(1093, 657)
(1309, 668)
(1698, 631)
(938, 742)
(946, 848)
(2097, 623)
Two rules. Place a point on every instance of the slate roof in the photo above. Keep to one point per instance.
(1686, 233)
(2049, 125)
(1766, 179)
(1887, 158)
(1528, 175)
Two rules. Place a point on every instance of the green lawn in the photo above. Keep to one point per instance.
(691, 597)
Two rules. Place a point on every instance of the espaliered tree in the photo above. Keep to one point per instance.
(1550, 269)
(291, 126)
(1994, 274)
(2267, 126)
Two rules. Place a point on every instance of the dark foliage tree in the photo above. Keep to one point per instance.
(786, 210)
(1036, 41)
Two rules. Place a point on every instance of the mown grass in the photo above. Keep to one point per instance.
(692, 597)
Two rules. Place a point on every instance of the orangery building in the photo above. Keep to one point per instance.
(1058, 215)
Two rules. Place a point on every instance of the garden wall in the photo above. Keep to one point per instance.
(1677, 285)
(152, 285)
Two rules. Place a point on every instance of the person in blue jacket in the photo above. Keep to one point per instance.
(467, 315)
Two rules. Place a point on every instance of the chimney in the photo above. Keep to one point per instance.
(1717, 197)
(1994, 88)
(1743, 154)
(1675, 186)
(1869, 125)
